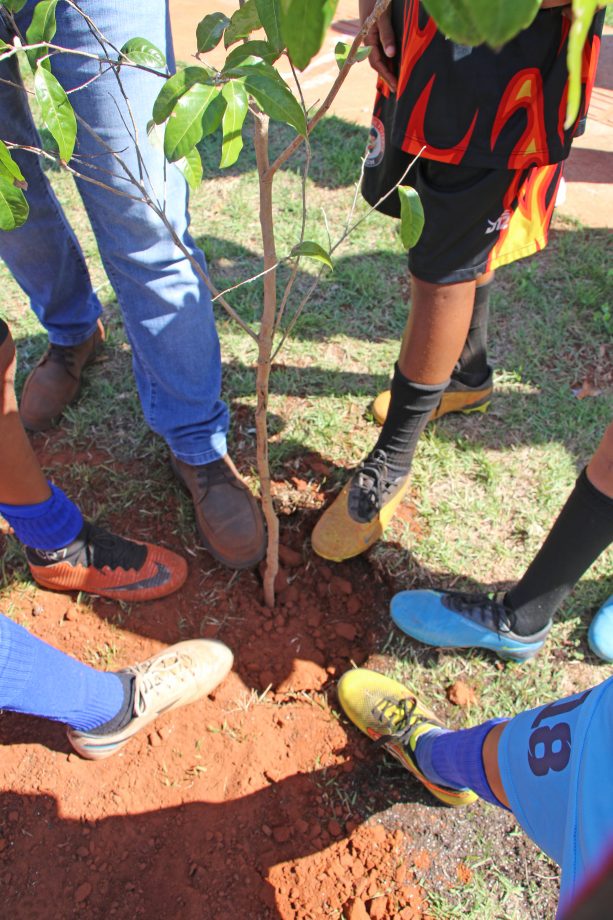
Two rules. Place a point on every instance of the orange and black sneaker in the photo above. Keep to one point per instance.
(100, 562)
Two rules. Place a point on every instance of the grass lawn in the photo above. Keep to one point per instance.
(485, 488)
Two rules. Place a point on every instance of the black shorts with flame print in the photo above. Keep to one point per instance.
(489, 128)
(476, 219)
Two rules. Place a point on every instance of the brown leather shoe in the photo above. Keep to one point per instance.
(228, 518)
(56, 381)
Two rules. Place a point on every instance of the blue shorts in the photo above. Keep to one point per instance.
(556, 768)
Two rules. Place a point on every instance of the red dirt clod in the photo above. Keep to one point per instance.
(461, 694)
(305, 675)
(83, 892)
(356, 910)
(377, 908)
(346, 631)
(341, 585)
(353, 605)
(289, 557)
(334, 828)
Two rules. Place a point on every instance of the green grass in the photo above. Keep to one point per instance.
(486, 488)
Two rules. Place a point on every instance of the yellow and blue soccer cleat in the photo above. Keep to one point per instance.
(393, 717)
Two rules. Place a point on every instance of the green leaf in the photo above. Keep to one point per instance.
(411, 216)
(242, 23)
(341, 53)
(583, 13)
(41, 29)
(4, 47)
(209, 31)
(270, 17)
(8, 166)
(213, 114)
(255, 48)
(276, 99)
(56, 111)
(13, 6)
(237, 104)
(175, 87)
(473, 22)
(184, 127)
(48, 142)
(142, 51)
(191, 167)
(304, 24)
(13, 205)
(312, 251)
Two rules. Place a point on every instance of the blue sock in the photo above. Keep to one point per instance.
(39, 680)
(455, 758)
(51, 524)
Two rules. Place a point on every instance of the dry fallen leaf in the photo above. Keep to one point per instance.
(586, 389)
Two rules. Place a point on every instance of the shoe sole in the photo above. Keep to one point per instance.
(230, 563)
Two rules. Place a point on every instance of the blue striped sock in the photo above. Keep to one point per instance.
(39, 680)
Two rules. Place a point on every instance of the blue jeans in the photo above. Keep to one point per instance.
(166, 307)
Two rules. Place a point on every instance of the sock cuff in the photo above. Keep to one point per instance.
(599, 502)
(47, 525)
(422, 397)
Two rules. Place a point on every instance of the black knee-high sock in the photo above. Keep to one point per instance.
(409, 410)
(472, 368)
(582, 531)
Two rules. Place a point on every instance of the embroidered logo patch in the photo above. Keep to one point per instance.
(375, 147)
(500, 224)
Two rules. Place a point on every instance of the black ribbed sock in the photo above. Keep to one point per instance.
(472, 368)
(582, 531)
(409, 410)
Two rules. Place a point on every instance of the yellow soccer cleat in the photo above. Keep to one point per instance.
(457, 398)
(360, 513)
(389, 713)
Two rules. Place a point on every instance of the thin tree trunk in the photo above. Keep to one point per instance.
(265, 342)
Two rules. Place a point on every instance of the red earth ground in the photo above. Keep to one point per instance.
(253, 803)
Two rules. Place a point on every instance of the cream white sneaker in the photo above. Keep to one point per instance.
(178, 675)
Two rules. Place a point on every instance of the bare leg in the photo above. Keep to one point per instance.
(21, 479)
(436, 330)
(600, 467)
(490, 762)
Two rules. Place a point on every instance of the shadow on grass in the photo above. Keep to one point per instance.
(337, 149)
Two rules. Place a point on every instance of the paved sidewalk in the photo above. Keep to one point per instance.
(589, 170)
